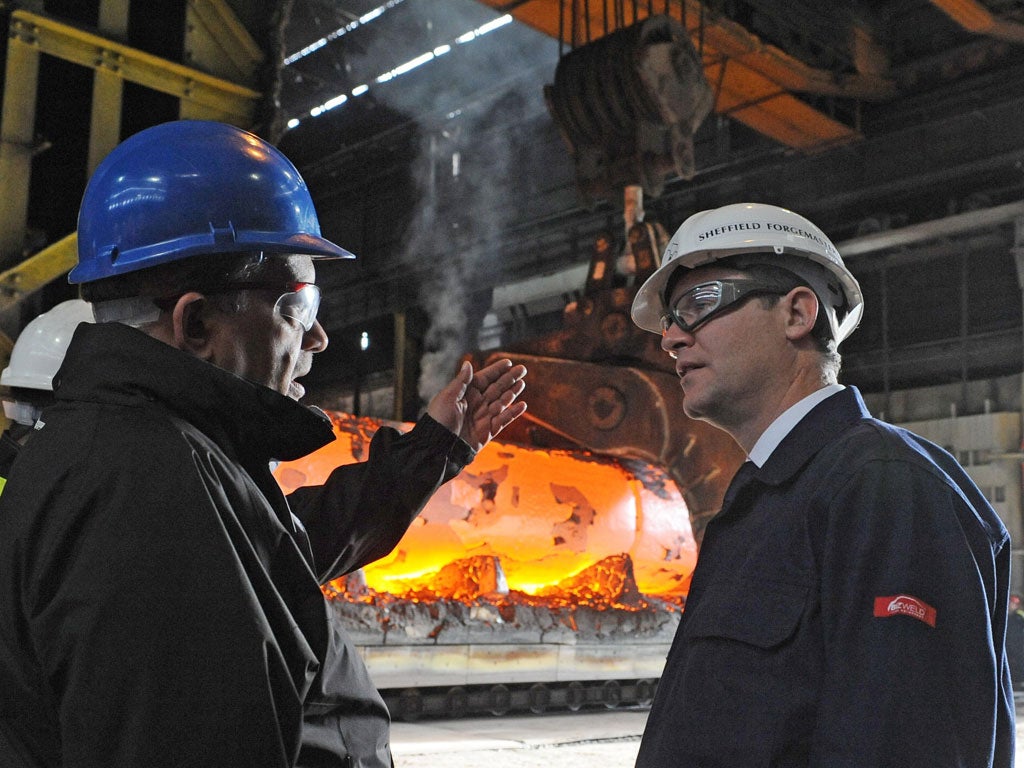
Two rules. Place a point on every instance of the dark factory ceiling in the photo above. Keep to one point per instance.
(423, 130)
(454, 146)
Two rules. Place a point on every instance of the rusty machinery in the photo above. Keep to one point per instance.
(627, 104)
(603, 385)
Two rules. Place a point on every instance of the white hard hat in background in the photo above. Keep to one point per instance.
(40, 348)
(779, 237)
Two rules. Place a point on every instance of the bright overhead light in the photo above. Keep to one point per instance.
(401, 69)
(364, 19)
(328, 105)
(410, 65)
(490, 26)
(367, 17)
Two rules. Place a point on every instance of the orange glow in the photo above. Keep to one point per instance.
(533, 518)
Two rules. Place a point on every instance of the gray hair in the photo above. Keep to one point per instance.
(137, 298)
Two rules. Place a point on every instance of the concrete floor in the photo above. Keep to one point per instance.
(567, 740)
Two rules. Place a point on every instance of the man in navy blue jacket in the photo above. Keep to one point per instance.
(849, 604)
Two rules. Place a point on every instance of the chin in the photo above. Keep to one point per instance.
(692, 408)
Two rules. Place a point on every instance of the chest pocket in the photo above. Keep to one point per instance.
(764, 614)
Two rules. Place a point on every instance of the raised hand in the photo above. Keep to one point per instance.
(477, 406)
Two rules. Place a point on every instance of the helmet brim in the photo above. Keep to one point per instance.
(649, 302)
(302, 244)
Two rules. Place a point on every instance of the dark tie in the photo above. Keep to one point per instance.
(741, 478)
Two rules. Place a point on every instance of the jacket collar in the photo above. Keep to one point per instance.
(116, 364)
(812, 433)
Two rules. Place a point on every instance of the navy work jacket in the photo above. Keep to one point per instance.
(848, 610)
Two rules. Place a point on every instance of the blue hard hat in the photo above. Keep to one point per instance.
(193, 187)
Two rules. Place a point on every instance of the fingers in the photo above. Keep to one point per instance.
(464, 377)
(506, 417)
(500, 395)
(498, 378)
(456, 388)
(490, 373)
(499, 407)
(448, 406)
(496, 372)
(477, 406)
(491, 402)
(488, 423)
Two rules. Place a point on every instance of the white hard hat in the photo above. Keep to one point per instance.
(779, 237)
(39, 350)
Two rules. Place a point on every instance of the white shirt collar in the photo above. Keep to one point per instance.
(784, 424)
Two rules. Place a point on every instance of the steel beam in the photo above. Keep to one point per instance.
(37, 270)
(976, 18)
(201, 94)
(217, 42)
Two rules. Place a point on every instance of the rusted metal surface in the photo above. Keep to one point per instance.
(629, 412)
(601, 384)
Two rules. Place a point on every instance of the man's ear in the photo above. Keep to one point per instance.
(190, 320)
(801, 307)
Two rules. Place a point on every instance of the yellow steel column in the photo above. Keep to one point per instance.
(17, 126)
(108, 85)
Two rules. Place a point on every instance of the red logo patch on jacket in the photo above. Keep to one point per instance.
(905, 605)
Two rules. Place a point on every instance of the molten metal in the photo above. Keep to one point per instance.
(539, 524)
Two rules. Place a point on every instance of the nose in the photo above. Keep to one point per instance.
(315, 339)
(674, 338)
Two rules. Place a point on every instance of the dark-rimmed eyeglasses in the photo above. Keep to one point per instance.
(704, 301)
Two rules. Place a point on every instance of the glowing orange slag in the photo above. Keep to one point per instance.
(546, 516)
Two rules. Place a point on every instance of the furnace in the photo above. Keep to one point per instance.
(535, 578)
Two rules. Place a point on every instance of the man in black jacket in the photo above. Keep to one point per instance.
(159, 597)
(848, 608)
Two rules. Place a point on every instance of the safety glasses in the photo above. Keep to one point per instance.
(696, 306)
(299, 302)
